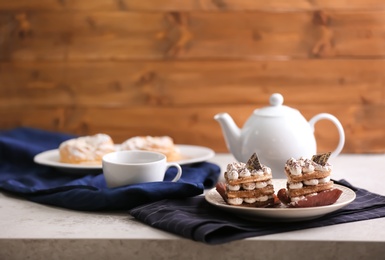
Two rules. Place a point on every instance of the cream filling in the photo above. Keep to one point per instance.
(308, 168)
(235, 201)
(235, 166)
(257, 173)
(266, 170)
(232, 175)
(234, 187)
(296, 170)
(262, 198)
(259, 199)
(249, 186)
(325, 168)
(324, 180)
(295, 185)
(244, 173)
(250, 200)
(261, 184)
(311, 182)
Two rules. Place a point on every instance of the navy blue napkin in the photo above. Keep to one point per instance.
(19, 175)
(196, 219)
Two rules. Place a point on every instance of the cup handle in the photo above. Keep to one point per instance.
(337, 123)
(179, 173)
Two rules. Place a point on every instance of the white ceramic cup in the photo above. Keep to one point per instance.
(129, 167)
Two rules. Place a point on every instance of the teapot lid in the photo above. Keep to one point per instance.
(276, 108)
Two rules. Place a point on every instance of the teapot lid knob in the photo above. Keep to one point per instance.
(276, 99)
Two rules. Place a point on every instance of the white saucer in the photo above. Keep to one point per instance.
(281, 214)
(189, 153)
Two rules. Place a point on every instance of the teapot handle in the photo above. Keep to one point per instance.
(337, 123)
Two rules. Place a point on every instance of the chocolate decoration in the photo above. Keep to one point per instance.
(253, 163)
(321, 159)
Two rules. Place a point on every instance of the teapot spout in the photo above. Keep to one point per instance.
(232, 134)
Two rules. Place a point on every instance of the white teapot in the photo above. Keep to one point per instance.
(276, 133)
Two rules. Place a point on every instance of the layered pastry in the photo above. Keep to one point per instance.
(249, 184)
(309, 183)
(161, 144)
(86, 149)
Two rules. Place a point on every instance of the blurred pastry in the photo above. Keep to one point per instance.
(249, 184)
(161, 144)
(86, 149)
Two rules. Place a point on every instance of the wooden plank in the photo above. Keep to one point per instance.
(178, 84)
(251, 35)
(187, 5)
(230, 5)
(59, 5)
(196, 125)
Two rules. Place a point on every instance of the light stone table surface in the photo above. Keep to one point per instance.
(33, 231)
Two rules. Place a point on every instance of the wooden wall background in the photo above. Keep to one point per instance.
(166, 67)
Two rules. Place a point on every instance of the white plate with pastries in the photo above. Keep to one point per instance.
(188, 154)
(281, 213)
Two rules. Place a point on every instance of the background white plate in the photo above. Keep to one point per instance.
(281, 214)
(189, 153)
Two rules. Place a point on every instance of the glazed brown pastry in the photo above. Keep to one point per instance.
(248, 184)
(161, 144)
(86, 149)
(323, 198)
(309, 183)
